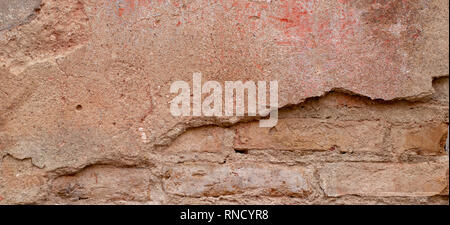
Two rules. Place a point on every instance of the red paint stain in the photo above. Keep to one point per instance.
(303, 26)
(128, 7)
(297, 17)
(259, 67)
(284, 20)
(121, 11)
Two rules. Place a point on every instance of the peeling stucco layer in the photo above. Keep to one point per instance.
(84, 101)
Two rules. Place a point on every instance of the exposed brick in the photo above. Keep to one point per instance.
(103, 183)
(217, 180)
(345, 107)
(424, 139)
(206, 139)
(340, 100)
(205, 144)
(312, 134)
(385, 179)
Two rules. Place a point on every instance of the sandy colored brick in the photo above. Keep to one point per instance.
(385, 179)
(104, 183)
(205, 139)
(198, 180)
(312, 134)
(210, 144)
(424, 139)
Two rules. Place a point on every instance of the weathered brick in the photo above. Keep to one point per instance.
(206, 139)
(424, 139)
(206, 144)
(198, 180)
(103, 183)
(312, 134)
(385, 179)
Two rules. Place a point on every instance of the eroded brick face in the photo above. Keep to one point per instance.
(198, 180)
(385, 179)
(85, 102)
(312, 135)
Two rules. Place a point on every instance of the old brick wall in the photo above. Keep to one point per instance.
(84, 102)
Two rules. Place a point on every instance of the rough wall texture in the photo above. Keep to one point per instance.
(84, 102)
